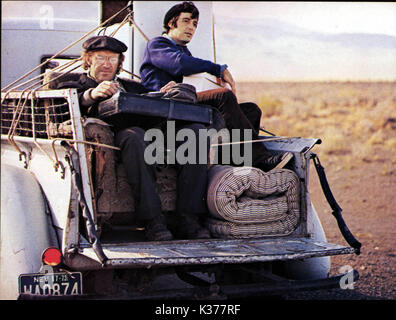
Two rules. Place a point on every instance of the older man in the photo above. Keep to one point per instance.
(103, 58)
(167, 59)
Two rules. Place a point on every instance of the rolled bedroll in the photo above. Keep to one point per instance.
(246, 202)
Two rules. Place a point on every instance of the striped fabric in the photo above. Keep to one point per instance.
(246, 202)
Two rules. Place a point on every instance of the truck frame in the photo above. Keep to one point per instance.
(48, 200)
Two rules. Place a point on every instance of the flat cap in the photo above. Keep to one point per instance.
(104, 43)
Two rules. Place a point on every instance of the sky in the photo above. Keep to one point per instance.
(307, 40)
(282, 41)
(332, 17)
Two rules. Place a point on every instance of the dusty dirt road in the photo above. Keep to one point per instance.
(357, 123)
(369, 211)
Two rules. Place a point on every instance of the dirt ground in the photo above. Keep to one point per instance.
(357, 124)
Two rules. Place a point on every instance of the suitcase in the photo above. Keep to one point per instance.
(128, 109)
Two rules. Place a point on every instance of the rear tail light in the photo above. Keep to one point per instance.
(51, 256)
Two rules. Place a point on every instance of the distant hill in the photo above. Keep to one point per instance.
(283, 51)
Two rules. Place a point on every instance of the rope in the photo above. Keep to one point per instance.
(140, 30)
(61, 75)
(270, 133)
(121, 25)
(17, 114)
(213, 39)
(128, 18)
(14, 124)
(19, 109)
(130, 73)
(65, 49)
(86, 142)
(61, 67)
(57, 162)
(58, 68)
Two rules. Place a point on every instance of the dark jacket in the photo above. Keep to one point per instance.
(165, 61)
(83, 83)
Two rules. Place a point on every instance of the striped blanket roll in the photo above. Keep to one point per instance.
(226, 229)
(247, 202)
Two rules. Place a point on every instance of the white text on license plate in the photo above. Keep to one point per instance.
(51, 283)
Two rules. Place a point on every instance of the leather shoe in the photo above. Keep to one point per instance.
(156, 230)
(274, 161)
(189, 228)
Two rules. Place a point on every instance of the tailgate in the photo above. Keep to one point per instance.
(214, 251)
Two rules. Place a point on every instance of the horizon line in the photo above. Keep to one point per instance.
(315, 80)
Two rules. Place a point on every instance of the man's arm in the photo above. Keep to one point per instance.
(103, 91)
(168, 57)
(106, 89)
(84, 94)
(227, 77)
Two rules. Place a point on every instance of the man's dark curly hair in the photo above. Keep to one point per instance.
(174, 13)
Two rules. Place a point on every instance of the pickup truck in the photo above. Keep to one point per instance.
(65, 233)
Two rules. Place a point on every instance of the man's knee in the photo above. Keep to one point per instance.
(253, 114)
(221, 94)
(130, 136)
(251, 108)
(228, 96)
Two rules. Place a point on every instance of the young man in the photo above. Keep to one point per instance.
(102, 58)
(167, 60)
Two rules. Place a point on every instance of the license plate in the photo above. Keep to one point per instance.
(52, 284)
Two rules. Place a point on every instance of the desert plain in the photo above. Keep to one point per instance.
(356, 122)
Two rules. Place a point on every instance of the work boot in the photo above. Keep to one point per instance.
(156, 230)
(190, 228)
(273, 161)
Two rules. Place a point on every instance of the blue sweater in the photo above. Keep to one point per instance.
(165, 61)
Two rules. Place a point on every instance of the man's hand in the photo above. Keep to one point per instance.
(104, 90)
(227, 77)
(168, 86)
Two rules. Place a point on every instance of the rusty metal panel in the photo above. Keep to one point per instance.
(296, 145)
(214, 251)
